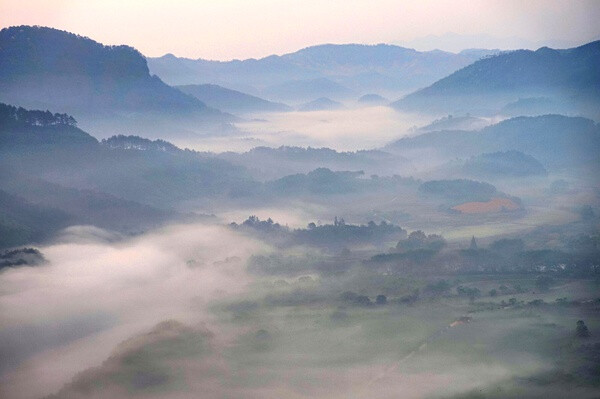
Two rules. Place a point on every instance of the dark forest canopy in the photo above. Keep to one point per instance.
(336, 236)
(21, 116)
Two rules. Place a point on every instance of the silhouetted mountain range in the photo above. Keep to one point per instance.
(362, 68)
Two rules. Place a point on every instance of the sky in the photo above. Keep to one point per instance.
(239, 29)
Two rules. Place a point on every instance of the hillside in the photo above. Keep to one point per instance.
(508, 164)
(24, 128)
(232, 101)
(102, 86)
(569, 75)
(273, 163)
(556, 141)
(154, 173)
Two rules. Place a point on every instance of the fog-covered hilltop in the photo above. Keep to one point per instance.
(373, 99)
(321, 104)
(104, 87)
(569, 77)
(380, 68)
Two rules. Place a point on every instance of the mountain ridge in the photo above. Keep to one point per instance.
(568, 74)
(43, 67)
(360, 67)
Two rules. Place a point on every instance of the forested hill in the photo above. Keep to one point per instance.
(49, 68)
(569, 74)
(21, 127)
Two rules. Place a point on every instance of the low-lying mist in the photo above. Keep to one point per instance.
(348, 129)
(179, 311)
(95, 291)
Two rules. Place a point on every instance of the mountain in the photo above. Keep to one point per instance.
(304, 90)
(104, 87)
(361, 68)
(321, 104)
(556, 141)
(231, 101)
(569, 75)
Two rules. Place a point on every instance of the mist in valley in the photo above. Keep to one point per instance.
(344, 220)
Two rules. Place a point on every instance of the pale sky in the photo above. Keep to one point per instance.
(228, 29)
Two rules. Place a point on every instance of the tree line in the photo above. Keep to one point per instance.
(13, 115)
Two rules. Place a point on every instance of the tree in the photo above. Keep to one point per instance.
(381, 300)
(473, 245)
(581, 330)
(493, 292)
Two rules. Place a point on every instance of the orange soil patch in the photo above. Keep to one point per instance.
(493, 205)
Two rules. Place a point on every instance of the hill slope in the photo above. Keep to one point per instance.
(231, 100)
(555, 140)
(571, 74)
(154, 173)
(52, 69)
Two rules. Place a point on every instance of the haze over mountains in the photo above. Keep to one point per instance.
(567, 77)
(356, 68)
(332, 245)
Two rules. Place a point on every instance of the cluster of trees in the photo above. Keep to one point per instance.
(354, 299)
(419, 240)
(20, 116)
(138, 143)
(336, 236)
